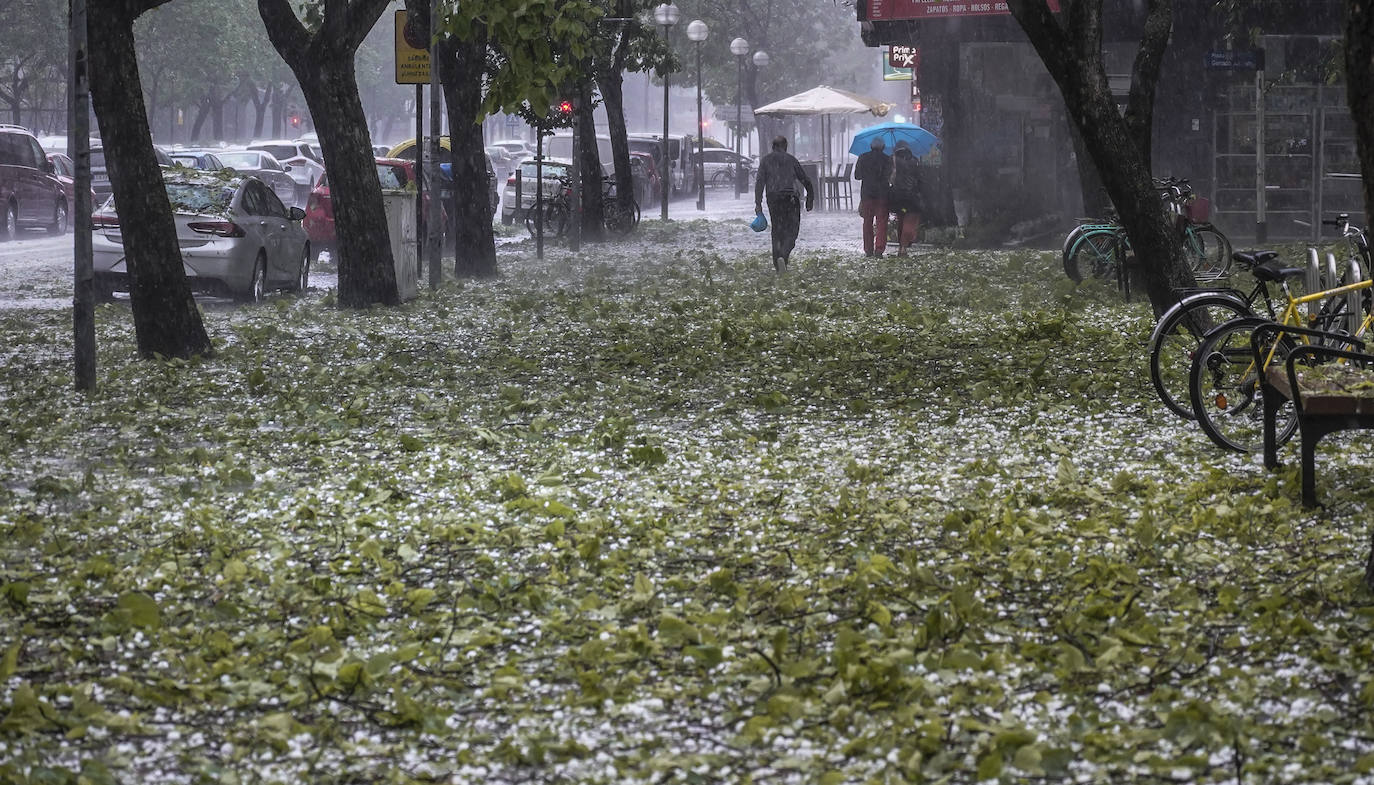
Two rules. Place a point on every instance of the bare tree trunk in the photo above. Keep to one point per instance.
(593, 209)
(461, 66)
(166, 320)
(1359, 74)
(612, 86)
(323, 63)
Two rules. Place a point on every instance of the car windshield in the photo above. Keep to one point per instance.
(211, 198)
(279, 151)
(241, 160)
(187, 160)
(527, 170)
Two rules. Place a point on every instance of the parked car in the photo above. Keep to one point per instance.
(679, 169)
(30, 193)
(394, 173)
(555, 171)
(64, 169)
(719, 164)
(236, 237)
(100, 178)
(518, 147)
(196, 159)
(266, 168)
(646, 179)
(306, 165)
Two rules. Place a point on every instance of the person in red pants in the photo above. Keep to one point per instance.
(904, 196)
(871, 171)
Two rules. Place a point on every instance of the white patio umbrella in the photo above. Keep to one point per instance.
(826, 101)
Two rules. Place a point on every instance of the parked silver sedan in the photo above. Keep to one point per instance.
(267, 168)
(236, 237)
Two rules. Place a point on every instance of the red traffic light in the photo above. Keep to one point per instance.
(565, 107)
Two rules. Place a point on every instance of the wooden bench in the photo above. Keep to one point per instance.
(1327, 396)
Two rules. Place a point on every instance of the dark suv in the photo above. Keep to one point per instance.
(30, 194)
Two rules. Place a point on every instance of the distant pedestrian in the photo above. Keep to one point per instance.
(779, 174)
(872, 172)
(904, 196)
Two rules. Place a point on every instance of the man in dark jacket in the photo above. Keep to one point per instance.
(779, 174)
(872, 171)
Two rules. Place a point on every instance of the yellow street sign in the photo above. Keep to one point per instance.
(412, 54)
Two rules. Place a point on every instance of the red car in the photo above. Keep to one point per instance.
(394, 173)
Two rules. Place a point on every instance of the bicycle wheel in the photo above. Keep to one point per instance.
(721, 178)
(1096, 254)
(1176, 338)
(1226, 395)
(620, 217)
(555, 220)
(1209, 251)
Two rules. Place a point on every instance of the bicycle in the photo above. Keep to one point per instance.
(1180, 329)
(617, 218)
(1099, 248)
(555, 210)
(1224, 380)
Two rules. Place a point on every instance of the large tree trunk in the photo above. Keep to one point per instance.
(1072, 52)
(323, 64)
(1359, 74)
(593, 210)
(166, 320)
(461, 66)
(612, 86)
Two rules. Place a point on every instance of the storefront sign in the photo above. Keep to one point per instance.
(899, 56)
(927, 9)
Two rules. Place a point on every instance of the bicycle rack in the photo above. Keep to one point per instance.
(1332, 280)
(1354, 309)
(1312, 281)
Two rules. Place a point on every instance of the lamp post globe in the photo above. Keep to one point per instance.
(697, 33)
(739, 48)
(666, 15)
(761, 59)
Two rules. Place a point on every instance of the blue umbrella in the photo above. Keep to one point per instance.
(919, 138)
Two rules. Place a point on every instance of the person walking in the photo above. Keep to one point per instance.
(872, 172)
(904, 196)
(778, 175)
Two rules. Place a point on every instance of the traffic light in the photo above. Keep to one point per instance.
(564, 109)
(295, 120)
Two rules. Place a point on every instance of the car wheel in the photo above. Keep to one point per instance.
(257, 285)
(303, 277)
(59, 218)
(9, 231)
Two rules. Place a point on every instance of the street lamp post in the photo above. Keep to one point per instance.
(760, 62)
(666, 15)
(697, 32)
(739, 48)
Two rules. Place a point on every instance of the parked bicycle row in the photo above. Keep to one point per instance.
(1206, 363)
(1097, 248)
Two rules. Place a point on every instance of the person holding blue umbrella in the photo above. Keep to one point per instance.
(872, 171)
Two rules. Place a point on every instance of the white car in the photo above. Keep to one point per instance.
(236, 237)
(516, 147)
(556, 171)
(307, 166)
(267, 168)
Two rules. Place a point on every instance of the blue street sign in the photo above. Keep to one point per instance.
(1235, 60)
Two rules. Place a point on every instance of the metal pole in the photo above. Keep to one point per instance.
(739, 118)
(433, 238)
(539, 194)
(1261, 220)
(701, 141)
(667, 165)
(575, 235)
(79, 147)
(420, 173)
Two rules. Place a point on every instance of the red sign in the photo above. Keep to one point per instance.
(928, 9)
(899, 56)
